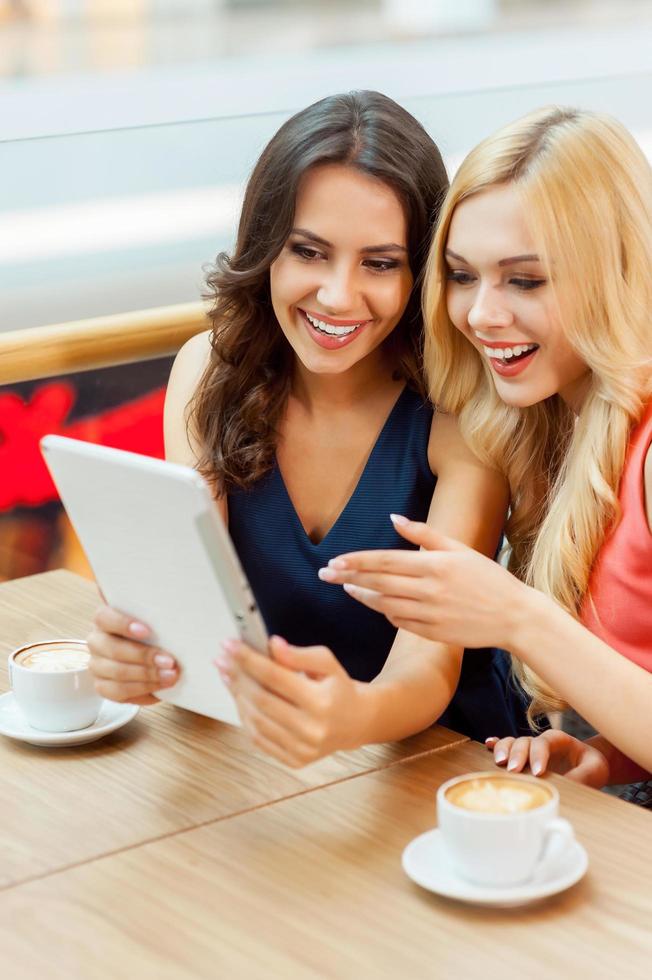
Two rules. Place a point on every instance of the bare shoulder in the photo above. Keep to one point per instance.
(189, 365)
(647, 485)
(191, 362)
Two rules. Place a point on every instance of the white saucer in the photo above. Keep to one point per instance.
(111, 716)
(426, 861)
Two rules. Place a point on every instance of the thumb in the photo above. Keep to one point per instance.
(425, 536)
(317, 662)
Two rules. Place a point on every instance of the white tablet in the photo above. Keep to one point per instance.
(160, 553)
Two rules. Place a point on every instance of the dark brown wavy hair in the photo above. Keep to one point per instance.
(239, 402)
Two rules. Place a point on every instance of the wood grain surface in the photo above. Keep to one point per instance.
(166, 771)
(312, 887)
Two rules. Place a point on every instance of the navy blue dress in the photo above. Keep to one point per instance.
(281, 563)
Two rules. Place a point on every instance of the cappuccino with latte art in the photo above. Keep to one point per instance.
(498, 795)
(51, 657)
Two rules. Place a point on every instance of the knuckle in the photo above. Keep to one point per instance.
(316, 735)
(257, 738)
(113, 692)
(305, 755)
(99, 616)
(261, 700)
(92, 640)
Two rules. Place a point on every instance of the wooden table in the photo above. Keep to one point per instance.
(302, 882)
(167, 771)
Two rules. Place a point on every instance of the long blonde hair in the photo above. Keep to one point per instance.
(586, 188)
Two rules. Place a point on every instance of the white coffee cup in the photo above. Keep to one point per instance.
(501, 828)
(53, 685)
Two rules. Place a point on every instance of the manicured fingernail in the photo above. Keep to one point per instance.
(138, 630)
(338, 563)
(327, 574)
(512, 765)
(278, 641)
(500, 755)
(537, 768)
(398, 519)
(492, 738)
(167, 677)
(351, 589)
(230, 646)
(164, 660)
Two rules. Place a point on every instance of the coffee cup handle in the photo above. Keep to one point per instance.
(558, 835)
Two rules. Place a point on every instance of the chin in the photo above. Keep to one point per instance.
(519, 399)
(318, 365)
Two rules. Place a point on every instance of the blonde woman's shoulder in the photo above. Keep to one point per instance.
(189, 365)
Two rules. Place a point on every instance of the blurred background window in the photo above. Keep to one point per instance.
(128, 129)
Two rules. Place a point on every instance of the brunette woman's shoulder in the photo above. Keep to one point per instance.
(194, 356)
(187, 370)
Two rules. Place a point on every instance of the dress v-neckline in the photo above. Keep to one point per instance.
(353, 494)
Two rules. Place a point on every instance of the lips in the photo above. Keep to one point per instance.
(508, 369)
(344, 331)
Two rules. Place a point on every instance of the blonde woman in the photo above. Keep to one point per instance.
(538, 309)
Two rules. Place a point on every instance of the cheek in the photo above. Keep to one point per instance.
(569, 363)
(458, 309)
(280, 281)
(392, 296)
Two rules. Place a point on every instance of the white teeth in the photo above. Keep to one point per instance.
(330, 328)
(506, 353)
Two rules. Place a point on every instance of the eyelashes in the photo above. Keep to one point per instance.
(527, 284)
(310, 254)
(306, 252)
(466, 279)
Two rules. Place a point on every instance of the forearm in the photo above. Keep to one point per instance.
(409, 695)
(622, 769)
(611, 692)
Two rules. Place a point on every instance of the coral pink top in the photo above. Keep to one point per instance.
(621, 580)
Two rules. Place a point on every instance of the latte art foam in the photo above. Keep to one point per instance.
(54, 659)
(499, 795)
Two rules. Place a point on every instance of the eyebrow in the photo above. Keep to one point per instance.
(373, 249)
(512, 260)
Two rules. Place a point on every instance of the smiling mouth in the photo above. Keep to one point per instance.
(332, 329)
(510, 355)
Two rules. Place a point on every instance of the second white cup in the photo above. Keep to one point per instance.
(499, 828)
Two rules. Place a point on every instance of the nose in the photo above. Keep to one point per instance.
(489, 309)
(338, 290)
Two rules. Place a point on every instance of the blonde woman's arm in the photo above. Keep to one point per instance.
(450, 593)
(420, 675)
